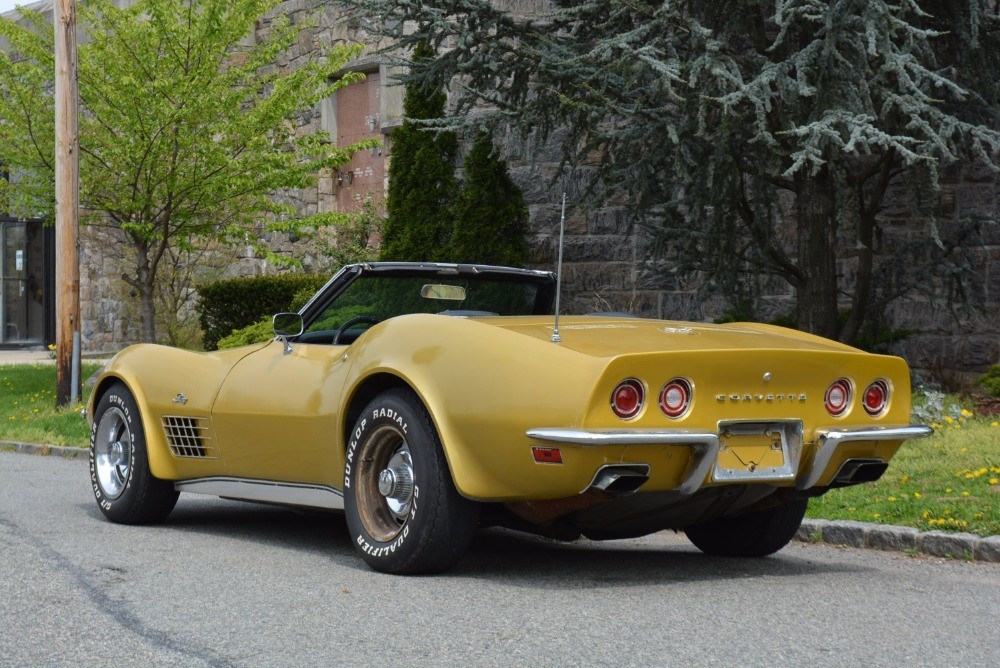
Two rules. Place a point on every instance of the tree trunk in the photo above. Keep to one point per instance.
(143, 283)
(816, 300)
(147, 311)
(868, 208)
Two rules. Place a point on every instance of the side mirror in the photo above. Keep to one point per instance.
(287, 325)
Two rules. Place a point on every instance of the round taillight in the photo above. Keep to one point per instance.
(876, 397)
(627, 398)
(675, 397)
(838, 397)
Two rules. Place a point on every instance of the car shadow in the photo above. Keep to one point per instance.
(524, 560)
(516, 558)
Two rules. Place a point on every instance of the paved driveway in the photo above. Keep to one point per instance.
(225, 583)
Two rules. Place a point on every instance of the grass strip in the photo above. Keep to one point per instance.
(28, 410)
(949, 482)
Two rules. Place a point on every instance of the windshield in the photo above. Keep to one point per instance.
(381, 297)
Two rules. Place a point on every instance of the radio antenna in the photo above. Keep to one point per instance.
(562, 226)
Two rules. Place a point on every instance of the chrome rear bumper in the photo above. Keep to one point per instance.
(705, 446)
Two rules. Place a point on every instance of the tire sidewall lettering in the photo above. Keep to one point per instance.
(377, 417)
(122, 403)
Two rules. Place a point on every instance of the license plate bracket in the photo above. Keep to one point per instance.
(758, 451)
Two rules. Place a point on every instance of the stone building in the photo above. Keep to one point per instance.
(607, 264)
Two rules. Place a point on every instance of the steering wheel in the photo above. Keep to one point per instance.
(370, 319)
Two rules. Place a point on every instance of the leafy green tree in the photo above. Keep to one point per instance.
(491, 218)
(722, 121)
(187, 129)
(422, 181)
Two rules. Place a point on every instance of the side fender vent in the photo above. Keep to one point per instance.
(188, 437)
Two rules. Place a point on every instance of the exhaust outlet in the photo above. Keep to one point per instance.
(857, 471)
(620, 478)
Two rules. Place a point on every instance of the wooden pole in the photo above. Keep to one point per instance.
(67, 201)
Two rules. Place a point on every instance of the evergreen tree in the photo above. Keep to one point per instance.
(491, 217)
(719, 120)
(422, 181)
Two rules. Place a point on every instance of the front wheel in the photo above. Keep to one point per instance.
(123, 485)
(756, 534)
(403, 511)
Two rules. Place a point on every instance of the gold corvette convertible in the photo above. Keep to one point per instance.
(424, 400)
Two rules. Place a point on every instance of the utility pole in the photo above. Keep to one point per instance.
(67, 206)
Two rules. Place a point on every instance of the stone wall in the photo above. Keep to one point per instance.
(607, 265)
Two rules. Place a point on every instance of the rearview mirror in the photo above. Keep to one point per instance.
(451, 292)
(287, 324)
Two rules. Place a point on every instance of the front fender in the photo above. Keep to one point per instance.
(156, 375)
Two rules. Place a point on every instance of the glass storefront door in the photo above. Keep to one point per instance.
(22, 261)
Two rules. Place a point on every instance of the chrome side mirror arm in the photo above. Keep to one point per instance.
(286, 326)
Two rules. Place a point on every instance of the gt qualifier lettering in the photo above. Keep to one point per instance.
(368, 548)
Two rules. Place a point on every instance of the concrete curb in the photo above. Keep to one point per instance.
(64, 451)
(900, 539)
(834, 532)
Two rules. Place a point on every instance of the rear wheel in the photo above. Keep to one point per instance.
(403, 511)
(123, 485)
(756, 534)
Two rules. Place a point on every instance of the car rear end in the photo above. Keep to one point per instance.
(790, 418)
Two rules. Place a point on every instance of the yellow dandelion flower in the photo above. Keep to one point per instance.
(905, 478)
(892, 499)
(916, 495)
(967, 413)
(935, 425)
(981, 471)
(994, 481)
(965, 493)
(947, 512)
(948, 491)
(979, 516)
(947, 418)
(995, 424)
(876, 515)
(927, 514)
(932, 522)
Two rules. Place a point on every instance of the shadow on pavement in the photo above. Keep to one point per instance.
(496, 554)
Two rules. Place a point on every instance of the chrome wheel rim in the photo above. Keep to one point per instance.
(113, 452)
(385, 484)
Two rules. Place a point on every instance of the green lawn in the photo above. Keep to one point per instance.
(28, 411)
(950, 481)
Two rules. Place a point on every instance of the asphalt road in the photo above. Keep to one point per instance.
(226, 583)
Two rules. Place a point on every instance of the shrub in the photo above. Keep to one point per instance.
(259, 332)
(228, 305)
(991, 381)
